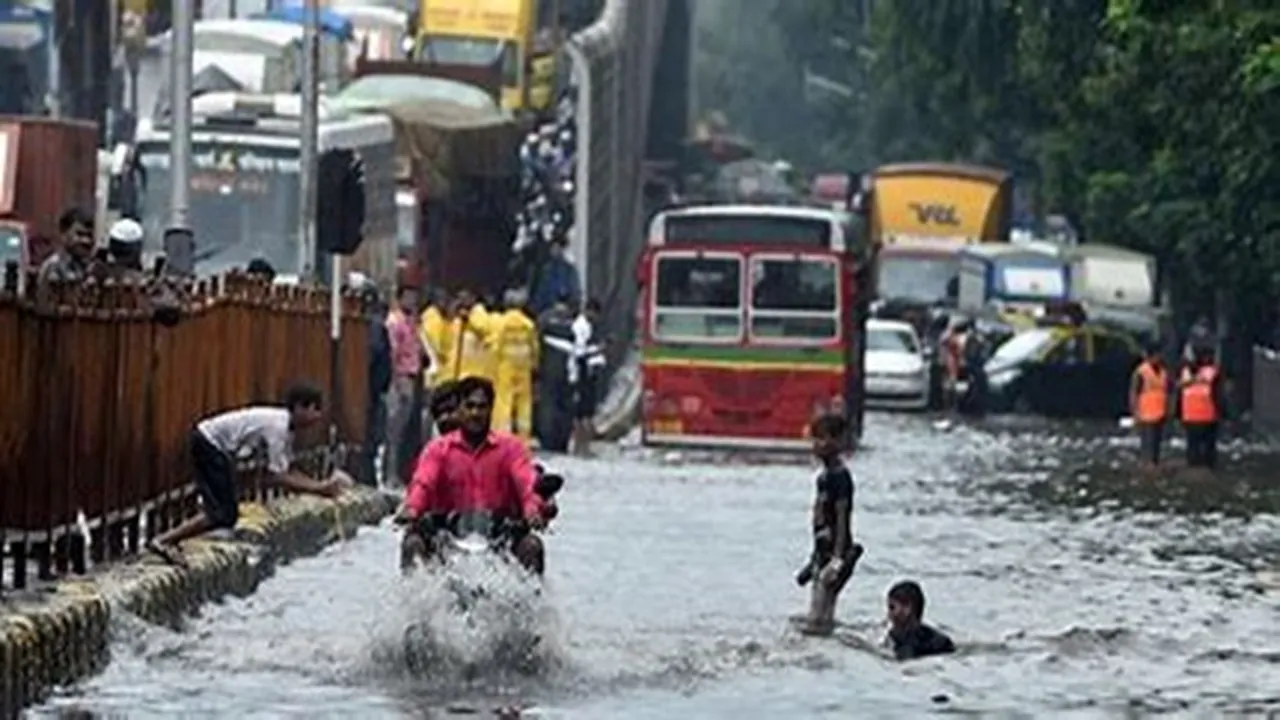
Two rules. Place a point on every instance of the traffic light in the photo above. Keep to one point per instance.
(340, 202)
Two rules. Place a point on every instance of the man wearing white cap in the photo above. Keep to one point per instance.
(124, 250)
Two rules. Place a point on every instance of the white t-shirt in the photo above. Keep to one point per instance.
(246, 430)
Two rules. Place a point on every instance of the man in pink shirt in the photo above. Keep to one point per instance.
(475, 469)
(406, 374)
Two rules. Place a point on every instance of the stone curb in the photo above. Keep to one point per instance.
(62, 635)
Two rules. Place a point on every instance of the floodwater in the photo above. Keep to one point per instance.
(1073, 586)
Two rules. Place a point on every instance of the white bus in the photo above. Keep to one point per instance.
(245, 181)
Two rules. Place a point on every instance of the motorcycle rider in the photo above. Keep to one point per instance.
(475, 469)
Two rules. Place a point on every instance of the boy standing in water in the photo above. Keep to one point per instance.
(908, 634)
(834, 552)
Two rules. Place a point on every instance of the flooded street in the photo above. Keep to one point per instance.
(1080, 595)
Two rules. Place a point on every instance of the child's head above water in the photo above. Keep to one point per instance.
(828, 431)
(905, 604)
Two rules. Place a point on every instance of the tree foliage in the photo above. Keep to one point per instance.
(1154, 123)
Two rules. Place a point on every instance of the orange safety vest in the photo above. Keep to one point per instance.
(1198, 405)
(1153, 396)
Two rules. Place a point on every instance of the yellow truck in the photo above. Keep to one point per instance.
(502, 33)
(921, 215)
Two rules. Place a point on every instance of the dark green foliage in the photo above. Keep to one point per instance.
(1154, 123)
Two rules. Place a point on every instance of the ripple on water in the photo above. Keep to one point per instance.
(1070, 590)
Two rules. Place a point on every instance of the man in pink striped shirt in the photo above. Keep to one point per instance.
(475, 469)
(406, 374)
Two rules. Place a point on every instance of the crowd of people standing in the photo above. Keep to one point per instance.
(550, 363)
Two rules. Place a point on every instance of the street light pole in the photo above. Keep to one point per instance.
(178, 239)
(308, 153)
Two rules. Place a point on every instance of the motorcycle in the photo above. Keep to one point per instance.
(472, 542)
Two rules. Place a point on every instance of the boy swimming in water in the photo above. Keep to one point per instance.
(834, 552)
(908, 634)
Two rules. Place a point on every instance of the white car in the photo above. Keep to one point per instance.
(896, 369)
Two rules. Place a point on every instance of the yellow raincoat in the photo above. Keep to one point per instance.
(434, 330)
(514, 343)
(469, 351)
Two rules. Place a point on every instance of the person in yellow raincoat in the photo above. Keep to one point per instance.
(470, 330)
(514, 342)
(433, 327)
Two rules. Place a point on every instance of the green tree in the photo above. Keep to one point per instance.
(1153, 122)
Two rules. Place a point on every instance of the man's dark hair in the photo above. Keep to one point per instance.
(302, 395)
(74, 216)
(830, 425)
(444, 398)
(472, 383)
(593, 305)
(261, 268)
(909, 593)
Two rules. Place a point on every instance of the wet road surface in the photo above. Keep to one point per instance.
(1073, 585)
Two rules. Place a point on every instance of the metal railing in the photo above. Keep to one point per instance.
(613, 62)
(99, 399)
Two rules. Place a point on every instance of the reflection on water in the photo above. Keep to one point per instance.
(1073, 585)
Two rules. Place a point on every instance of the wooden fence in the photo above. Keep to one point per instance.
(97, 401)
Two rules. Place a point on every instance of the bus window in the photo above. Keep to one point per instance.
(795, 299)
(698, 299)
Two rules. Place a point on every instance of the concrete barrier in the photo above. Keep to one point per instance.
(59, 634)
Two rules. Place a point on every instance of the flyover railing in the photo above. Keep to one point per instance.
(613, 61)
(98, 398)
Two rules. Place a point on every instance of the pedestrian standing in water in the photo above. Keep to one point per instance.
(1201, 401)
(1149, 405)
(834, 552)
(908, 635)
(380, 374)
(406, 376)
(585, 375)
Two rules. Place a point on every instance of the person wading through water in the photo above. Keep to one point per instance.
(909, 637)
(475, 469)
(834, 552)
(1149, 405)
(217, 442)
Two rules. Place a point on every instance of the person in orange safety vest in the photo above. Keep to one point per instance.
(1149, 404)
(1200, 404)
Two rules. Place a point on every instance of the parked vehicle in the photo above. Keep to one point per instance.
(897, 369)
(501, 34)
(456, 161)
(1064, 371)
(751, 320)
(25, 32)
(245, 184)
(46, 166)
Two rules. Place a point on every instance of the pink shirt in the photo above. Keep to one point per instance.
(496, 477)
(406, 349)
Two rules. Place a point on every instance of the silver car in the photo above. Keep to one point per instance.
(896, 368)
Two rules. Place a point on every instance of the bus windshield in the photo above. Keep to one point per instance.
(925, 279)
(244, 202)
(475, 52)
(795, 299)
(697, 298)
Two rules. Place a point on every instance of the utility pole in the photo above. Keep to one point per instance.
(53, 91)
(178, 236)
(307, 152)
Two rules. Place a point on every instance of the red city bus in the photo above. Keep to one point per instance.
(752, 319)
